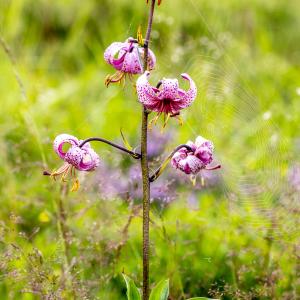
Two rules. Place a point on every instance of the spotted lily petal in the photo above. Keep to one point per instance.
(190, 165)
(146, 93)
(83, 159)
(204, 150)
(132, 62)
(151, 58)
(111, 52)
(74, 156)
(61, 140)
(197, 158)
(187, 97)
(169, 89)
(90, 160)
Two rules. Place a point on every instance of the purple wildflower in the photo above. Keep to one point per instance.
(157, 142)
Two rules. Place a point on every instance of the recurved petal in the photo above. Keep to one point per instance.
(204, 150)
(177, 157)
(61, 140)
(132, 62)
(205, 154)
(90, 160)
(191, 165)
(151, 60)
(117, 63)
(187, 97)
(200, 140)
(146, 93)
(112, 50)
(74, 156)
(192, 145)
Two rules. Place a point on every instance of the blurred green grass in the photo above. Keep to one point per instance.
(244, 57)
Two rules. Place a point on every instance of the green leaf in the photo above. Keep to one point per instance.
(132, 291)
(161, 291)
(201, 298)
(126, 143)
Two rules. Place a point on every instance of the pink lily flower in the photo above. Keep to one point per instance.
(126, 58)
(166, 98)
(75, 158)
(194, 160)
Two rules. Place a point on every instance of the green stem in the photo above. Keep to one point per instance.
(145, 170)
(98, 139)
(146, 204)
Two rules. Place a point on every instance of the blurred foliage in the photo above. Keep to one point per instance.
(242, 239)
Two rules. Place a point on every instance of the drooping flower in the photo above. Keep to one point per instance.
(194, 160)
(75, 158)
(166, 98)
(126, 58)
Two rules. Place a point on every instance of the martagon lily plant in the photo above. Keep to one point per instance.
(166, 99)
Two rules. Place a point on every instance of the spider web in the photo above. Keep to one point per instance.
(247, 141)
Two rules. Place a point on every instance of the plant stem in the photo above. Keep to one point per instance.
(146, 204)
(133, 154)
(145, 170)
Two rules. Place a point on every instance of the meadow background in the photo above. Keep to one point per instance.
(235, 235)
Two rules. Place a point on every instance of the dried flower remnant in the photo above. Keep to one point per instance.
(196, 159)
(126, 58)
(75, 158)
(166, 98)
